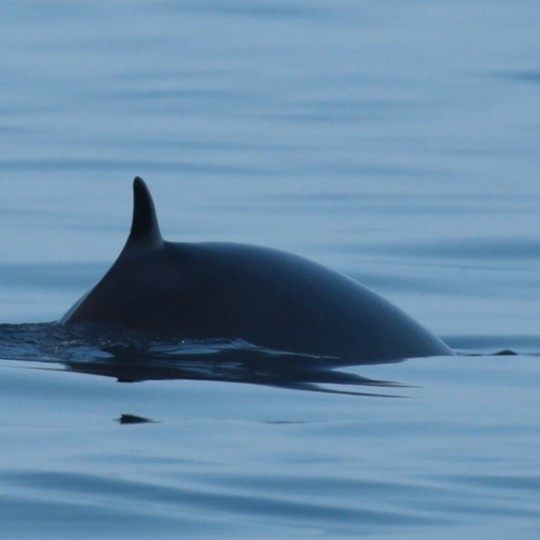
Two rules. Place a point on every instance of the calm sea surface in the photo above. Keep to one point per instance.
(398, 142)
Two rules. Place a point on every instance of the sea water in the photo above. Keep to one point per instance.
(397, 142)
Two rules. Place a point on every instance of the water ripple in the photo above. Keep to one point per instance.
(131, 357)
(116, 493)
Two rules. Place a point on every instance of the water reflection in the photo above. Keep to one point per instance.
(130, 357)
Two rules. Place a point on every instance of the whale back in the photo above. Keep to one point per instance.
(266, 297)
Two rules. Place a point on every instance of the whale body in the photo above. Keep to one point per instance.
(266, 297)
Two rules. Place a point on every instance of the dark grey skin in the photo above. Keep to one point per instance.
(266, 297)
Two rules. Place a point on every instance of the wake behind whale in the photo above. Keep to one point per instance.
(264, 297)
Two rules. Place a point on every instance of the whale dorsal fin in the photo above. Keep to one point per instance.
(144, 226)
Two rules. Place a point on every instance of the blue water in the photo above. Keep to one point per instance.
(397, 142)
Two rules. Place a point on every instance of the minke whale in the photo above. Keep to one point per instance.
(265, 297)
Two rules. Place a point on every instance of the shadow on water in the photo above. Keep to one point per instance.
(130, 357)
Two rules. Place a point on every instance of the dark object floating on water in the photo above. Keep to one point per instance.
(133, 419)
(268, 298)
(506, 352)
